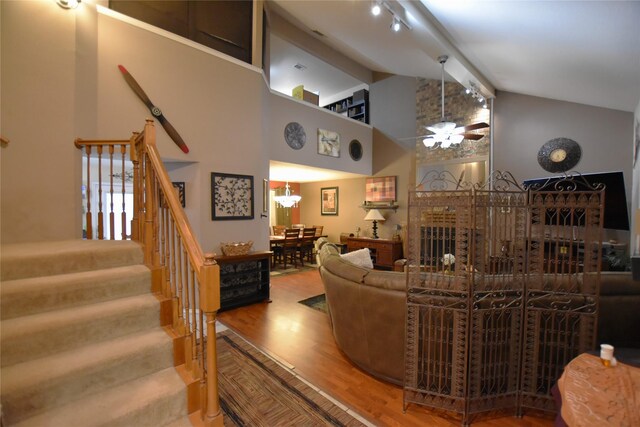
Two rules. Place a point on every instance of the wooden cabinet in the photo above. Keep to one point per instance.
(223, 25)
(355, 107)
(244, 279)
(383, 252)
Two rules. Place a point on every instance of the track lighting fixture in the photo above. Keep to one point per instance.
(376, 9)
(397, 14)
(395, 24)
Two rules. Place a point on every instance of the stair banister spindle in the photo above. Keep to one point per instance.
(123, 216)
(89, 221)
(166, 287)
(100, 214)
(112, 221)
(156, 220)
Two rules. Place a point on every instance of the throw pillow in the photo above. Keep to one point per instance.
(361, 258)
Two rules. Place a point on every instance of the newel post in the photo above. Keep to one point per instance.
(209, 304)
(149, 195)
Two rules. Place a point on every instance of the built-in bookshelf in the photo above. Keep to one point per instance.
(355, 107)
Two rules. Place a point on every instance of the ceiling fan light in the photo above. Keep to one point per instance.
(442, 127)
(455, 139)
(429, 142)
(446, 143)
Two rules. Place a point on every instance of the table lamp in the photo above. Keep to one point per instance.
(375, 216)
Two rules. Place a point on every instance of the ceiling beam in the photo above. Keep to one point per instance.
(457, 65)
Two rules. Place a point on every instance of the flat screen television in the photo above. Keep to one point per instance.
(616, 216)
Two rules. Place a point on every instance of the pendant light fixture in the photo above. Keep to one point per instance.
(288, 200)
(443, 130)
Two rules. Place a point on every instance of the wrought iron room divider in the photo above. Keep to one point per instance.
(502, 290)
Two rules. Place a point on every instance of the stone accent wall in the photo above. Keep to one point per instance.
(459, 108)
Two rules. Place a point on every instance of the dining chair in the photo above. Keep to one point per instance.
(287, 250)
(306, 244)
(278, 230)
(318, 230)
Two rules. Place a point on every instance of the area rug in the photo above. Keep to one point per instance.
(319, 302)
(257, 391)
(279, 271)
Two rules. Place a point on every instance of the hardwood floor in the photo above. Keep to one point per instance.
(302, 337)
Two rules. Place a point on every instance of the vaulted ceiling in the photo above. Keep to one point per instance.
(579, 51)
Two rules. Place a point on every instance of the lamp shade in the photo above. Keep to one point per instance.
(374, 215)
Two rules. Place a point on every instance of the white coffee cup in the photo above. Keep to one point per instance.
(606, 354)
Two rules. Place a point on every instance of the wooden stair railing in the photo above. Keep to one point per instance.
(181, 272)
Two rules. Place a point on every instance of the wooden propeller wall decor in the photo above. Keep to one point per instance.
(155, 111)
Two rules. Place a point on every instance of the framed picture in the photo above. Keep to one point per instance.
(231, 196)
(380, 189)
(329, 201)
(179, 186)
(328, 143)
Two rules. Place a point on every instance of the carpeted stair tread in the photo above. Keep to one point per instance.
(147, 401)
(31, 337)
(180, 422)
(31, 387)
(24, 260)
(23, 297)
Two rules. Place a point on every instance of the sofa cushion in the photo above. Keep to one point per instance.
(391, 280)
(618, 283)
(361, 258)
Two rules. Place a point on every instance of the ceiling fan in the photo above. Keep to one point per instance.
(446, 133)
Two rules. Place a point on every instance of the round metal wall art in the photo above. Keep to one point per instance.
(355, 150)
(559, 155)
(294, 135)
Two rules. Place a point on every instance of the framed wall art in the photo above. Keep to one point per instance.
(231, 196)
(179, 186)
(329, 201)
(380, 189)
(328, 143)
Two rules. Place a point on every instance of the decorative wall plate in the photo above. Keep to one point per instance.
(294, 135)
(355, 149)
(559, 155)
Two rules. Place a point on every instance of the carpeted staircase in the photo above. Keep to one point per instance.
(81, 341)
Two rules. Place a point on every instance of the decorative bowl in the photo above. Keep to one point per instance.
(236, 248)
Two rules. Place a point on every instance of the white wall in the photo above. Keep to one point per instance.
(40, 167)
(522, 124)
(283, 109)
(61, 81)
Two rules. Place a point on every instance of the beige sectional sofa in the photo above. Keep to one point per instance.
(367, 312)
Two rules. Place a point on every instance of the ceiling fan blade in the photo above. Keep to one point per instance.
(476, 126)
(413, 137)
(473, 136)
